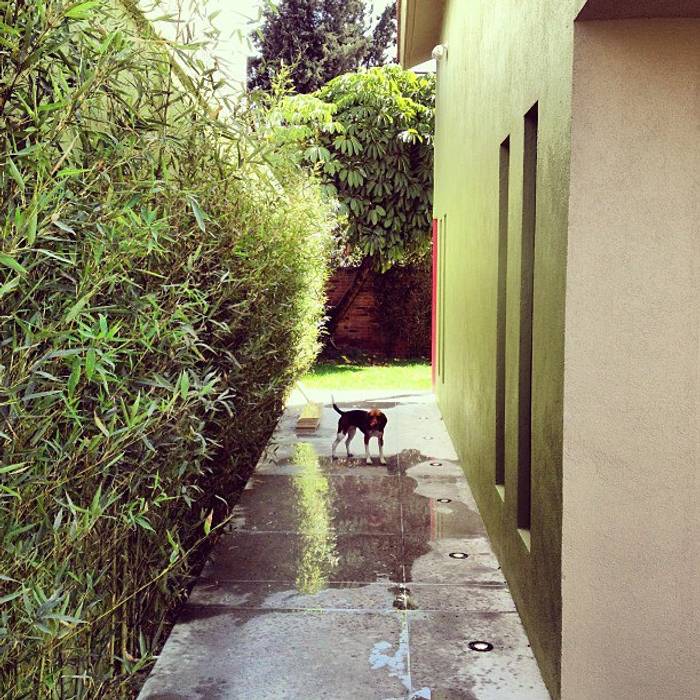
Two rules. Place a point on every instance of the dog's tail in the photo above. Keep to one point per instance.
(335, 406)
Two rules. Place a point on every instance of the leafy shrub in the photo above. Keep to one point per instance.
(161, 285)
(380, 165)
(370, 136)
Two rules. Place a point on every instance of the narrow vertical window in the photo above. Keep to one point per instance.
(526, 310)
(443, 285)
(503, 182)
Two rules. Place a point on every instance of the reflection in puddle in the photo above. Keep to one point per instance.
(318, 558)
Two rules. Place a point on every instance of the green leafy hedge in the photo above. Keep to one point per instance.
(161, 285)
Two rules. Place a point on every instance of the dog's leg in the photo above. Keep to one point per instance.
(368, 459)
(380, 438)
(351, 435)
(336, 442)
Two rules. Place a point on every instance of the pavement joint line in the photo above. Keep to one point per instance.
(384, 610)
(291, 608)
(203, 578)
(404, 622)
(365, 611)
(360, 533)
(462, 584)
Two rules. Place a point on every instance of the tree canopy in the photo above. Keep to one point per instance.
(369, 134)
(317, 40)
(380, 164)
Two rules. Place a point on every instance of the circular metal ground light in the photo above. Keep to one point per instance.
(480, 646)
(459, 555)
(444, 500)
(436, 464)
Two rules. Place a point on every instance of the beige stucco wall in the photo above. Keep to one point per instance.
(631, 523)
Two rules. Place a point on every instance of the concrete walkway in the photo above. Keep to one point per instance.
(344, 581)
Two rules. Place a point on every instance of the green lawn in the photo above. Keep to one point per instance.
(348, 375)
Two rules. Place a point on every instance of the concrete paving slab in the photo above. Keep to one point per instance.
(450, 560)
(351, 503)
(335, 580)
(333, 596)
(453, 669)
(321, 556)
(284, 459)
(435, 467)
(220, 653)
(471, 597)
(439, 507)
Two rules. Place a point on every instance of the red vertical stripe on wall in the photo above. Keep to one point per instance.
(433, 338)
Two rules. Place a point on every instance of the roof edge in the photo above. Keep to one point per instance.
(419, 29)
(638, 9)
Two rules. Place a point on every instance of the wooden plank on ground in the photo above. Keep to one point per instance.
(309, 418)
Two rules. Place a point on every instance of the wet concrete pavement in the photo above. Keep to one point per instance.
(341, 580)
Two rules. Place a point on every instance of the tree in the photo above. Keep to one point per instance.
(383, 37)
(377, 160)
(316, 40)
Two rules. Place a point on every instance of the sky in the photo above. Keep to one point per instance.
(235, 20)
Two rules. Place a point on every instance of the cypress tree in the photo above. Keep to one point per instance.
(316, 40)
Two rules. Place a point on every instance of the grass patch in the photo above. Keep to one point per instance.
(336, 376)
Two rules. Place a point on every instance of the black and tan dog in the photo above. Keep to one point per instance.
(371, 423)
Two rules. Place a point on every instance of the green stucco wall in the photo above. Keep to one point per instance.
(503, 57)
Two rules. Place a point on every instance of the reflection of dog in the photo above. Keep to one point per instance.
(371, 423)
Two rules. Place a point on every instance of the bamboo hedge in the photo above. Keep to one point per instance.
(161, 285)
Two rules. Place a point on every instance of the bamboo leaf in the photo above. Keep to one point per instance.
(10, 596)
(74, 376)
(15, 174)
(199, 215)
(11, 262)
(144, 523)
(90, 361)
(184, 385)
(75, 310)
(32, 227)
(101, 425)
(81, 10)
(9, 286)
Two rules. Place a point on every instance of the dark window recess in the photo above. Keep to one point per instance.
(503, 182)
(443, 271)
(527, 276)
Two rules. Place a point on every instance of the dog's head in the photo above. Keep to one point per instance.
(375, 416)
